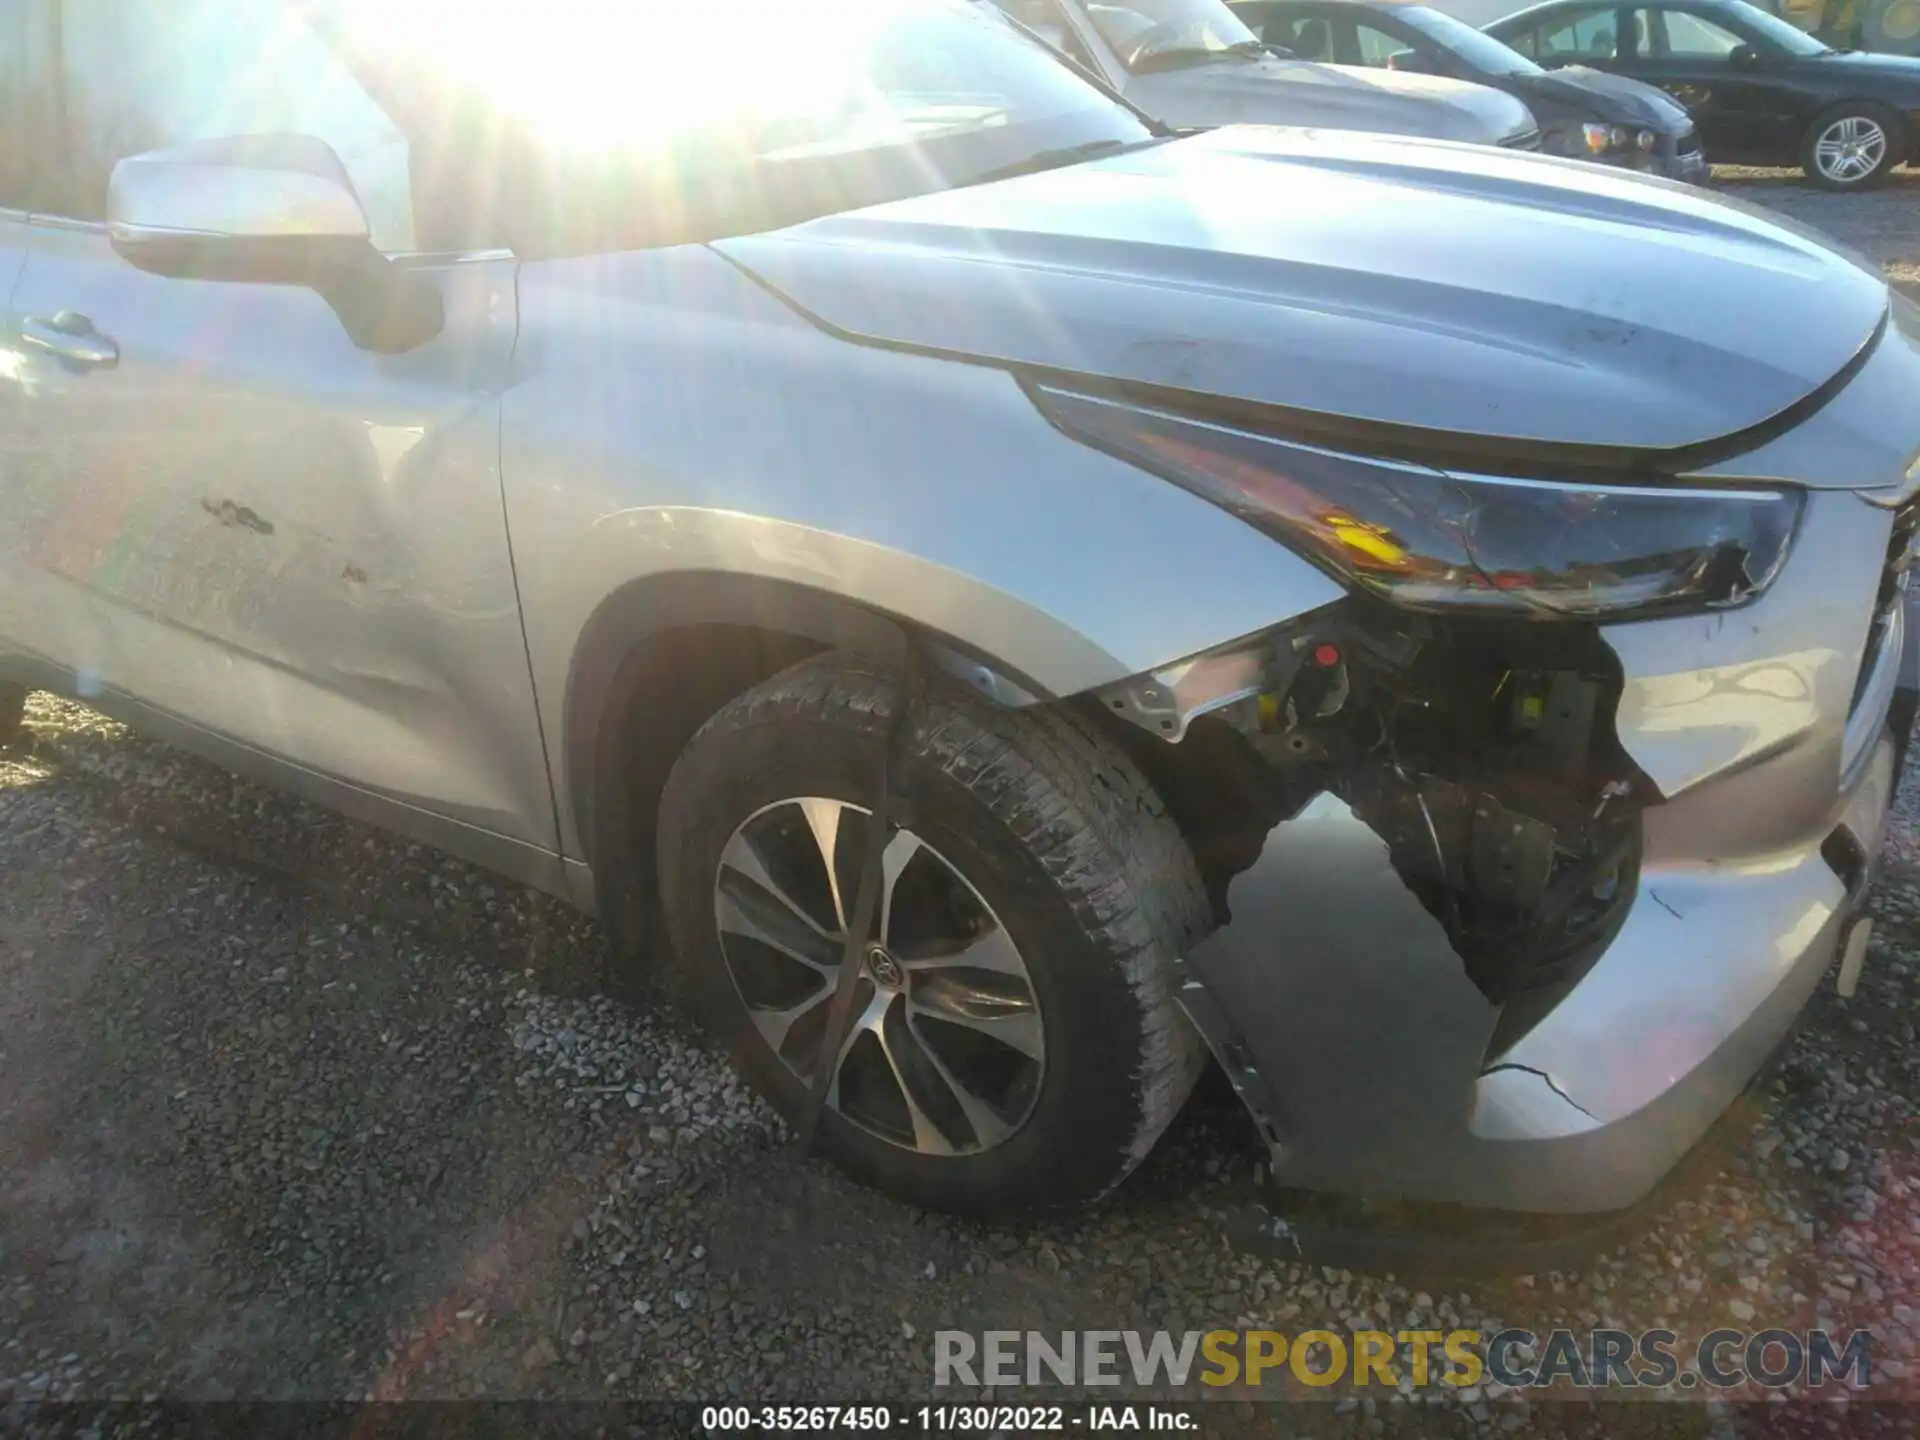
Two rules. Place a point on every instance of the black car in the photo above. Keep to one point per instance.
(1762, 92)
(1584, 113)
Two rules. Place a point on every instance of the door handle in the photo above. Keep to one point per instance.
(72, 338)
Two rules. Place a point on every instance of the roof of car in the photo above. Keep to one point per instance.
(1545, 8)
(1548, 5)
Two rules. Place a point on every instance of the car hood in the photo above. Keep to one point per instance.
(1271, 91)
(1615, 99)
(1410, 283)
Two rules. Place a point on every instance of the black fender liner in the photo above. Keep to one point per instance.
(602, 687)
(623, 649)
(629, 643)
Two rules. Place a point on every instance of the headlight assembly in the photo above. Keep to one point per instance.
(1602, 138)
(1611, 139)
(1434, 540)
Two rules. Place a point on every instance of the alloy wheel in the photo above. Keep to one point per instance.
(946, 1050)
(1850, 149)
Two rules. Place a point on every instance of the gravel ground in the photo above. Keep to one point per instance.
(1883, 223)
(291, 1109)
(355, 1123)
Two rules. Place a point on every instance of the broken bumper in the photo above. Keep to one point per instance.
(1343, 1014)
(1691, 168)
(1704, 980)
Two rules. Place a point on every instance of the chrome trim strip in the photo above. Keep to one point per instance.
(1735, 491)
(1898, 495)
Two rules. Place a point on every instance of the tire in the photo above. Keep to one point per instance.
(1035, 836)
(13, 707)
(1853, 146)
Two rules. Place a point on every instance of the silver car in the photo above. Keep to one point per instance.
(1194, 63)
(1031, 601)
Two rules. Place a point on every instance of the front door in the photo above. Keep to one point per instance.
(214, 502)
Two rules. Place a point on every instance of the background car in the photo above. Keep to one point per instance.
(1192, 64)
(1582, 112)
(1761, 91)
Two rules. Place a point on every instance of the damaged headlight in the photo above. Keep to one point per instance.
(1433, 540)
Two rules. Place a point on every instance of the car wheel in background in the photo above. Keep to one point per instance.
(1891, 27)
(1016, 1043)
(1852, 146)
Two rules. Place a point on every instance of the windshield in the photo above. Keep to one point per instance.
(720, 117)
(1168, 34)
(1772, 28)
(1479, 49)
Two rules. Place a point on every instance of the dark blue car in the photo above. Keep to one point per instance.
(1586, 113)
(1761, 91)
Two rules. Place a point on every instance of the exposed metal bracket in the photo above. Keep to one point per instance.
(1167, 701)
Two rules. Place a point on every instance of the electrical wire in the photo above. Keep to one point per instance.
(1455, 926)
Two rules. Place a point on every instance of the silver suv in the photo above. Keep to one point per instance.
(1030, 600)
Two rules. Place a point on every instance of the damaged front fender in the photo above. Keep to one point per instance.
(1468, 958)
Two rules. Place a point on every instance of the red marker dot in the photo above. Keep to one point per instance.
(1326, 656)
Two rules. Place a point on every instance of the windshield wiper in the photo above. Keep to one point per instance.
(1059, 158)
(1178, 57)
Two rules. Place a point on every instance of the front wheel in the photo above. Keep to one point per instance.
(1016, 1044)
(1851, 147)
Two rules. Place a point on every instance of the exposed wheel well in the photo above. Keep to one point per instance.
(663, 657)
(666, 688)
(13, 700)
(657, 661)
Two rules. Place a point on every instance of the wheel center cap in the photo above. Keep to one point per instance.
(884, 969)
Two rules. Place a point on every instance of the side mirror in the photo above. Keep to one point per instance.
(1411, 62)
(272, 210)
(1744, 57)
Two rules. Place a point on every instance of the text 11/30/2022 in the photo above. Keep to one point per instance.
(941, 1419)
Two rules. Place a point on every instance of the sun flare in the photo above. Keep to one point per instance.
(590, 73)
